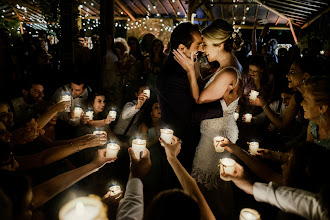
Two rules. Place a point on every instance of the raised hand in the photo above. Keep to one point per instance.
(187, 63)
(62, 106)
(100, 158)
(95, 140)
(142, 98)
(258, 102)
(139, 168)
(173, 149)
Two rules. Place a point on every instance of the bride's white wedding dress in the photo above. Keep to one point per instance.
(205, 169)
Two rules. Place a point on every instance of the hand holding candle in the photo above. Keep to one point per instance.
(138, 146)
(90, 114)
(64, 99)
(139, 168)
(77, 112)
(253, 146)
(113, 114)
(247, 118)
(227, 166)
(147, 92)
(112, 150)
(253, 95)
(236, 116)
(166, 135)
(217, 144)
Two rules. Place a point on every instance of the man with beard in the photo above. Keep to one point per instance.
(23, 107)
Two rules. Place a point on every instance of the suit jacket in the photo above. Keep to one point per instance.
(179, 111)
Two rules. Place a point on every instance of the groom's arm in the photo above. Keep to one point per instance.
(207, 111)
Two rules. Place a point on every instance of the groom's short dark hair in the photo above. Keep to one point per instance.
(182, 34)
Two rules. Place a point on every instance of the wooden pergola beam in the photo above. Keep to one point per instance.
(161, 4)
(231, 3)
(293, 5)
(208, 12)
(315, 18)
(123, 7)
(277, 20)
(304, 3)
(183, 9)
(281, 15)
(276, 6)
(174, 12)
(136, 7)
(144, 8)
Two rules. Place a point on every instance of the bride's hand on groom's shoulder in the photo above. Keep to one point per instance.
(187, 63)
(172, 149)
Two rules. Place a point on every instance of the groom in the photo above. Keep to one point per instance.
(179, 111)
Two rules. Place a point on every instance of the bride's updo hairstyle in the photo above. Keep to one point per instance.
(220, 31)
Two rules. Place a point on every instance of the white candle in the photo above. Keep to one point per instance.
(112, 150)
(138, 145)
(227, 165)
(216, 141)
(114, 190)
(248, 117)
(236, 116)
(83, 208)
(147, 92)
(166, 135)
(66, 98)
(90, 114)
(99, 132)
(113, 114)
(253, 95)
(253, 146)
(77, 112)
(249, 214)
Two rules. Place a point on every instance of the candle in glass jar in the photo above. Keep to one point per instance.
(138, 145)
(253, 95)
(113, 114)
(249, 214)
(248, 117)
(112, 150)
(236, 116)
(99, 132)
(114, 190)
(90, 114)
(166, 134)
(83, 208)
(66, 98)
(216, 142)
(147, 92)
(253, 146)
(227, 165)
(77, 112)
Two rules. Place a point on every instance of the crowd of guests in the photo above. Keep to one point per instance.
(49, 152)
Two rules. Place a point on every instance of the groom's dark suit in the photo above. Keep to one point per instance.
(179, 111)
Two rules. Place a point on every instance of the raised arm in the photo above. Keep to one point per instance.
(188, 184)
(279, 121)
(100, 123)
(45, 191)
(256, 166)
(47, 116)
(57, 153)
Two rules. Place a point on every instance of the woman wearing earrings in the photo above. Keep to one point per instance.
(300, 71)
(220, 42)
(316, 109)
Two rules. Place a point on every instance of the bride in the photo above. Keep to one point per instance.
(220, 41)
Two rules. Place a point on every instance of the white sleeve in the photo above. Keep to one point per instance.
(129, 110)
(292, 200)
(131, 206)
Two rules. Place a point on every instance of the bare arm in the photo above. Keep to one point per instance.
(57, 153)
(47, 116)
(100, 123)
(188, 184)
(279, 121)
(309, 134)
(45, 191)
(256, 166)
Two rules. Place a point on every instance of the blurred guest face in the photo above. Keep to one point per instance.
(132, 45)
(6, 117)
(37, 92)
(254, 71)
(77, 90)
(311, 109)
(286, 98)
(99, 104)
(157, 47)
(156, 112)
(81, 41)
(11, 164)
(4, 134)
(295, 76)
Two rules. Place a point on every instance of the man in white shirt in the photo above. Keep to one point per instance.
(131, 115)
(79, 92)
